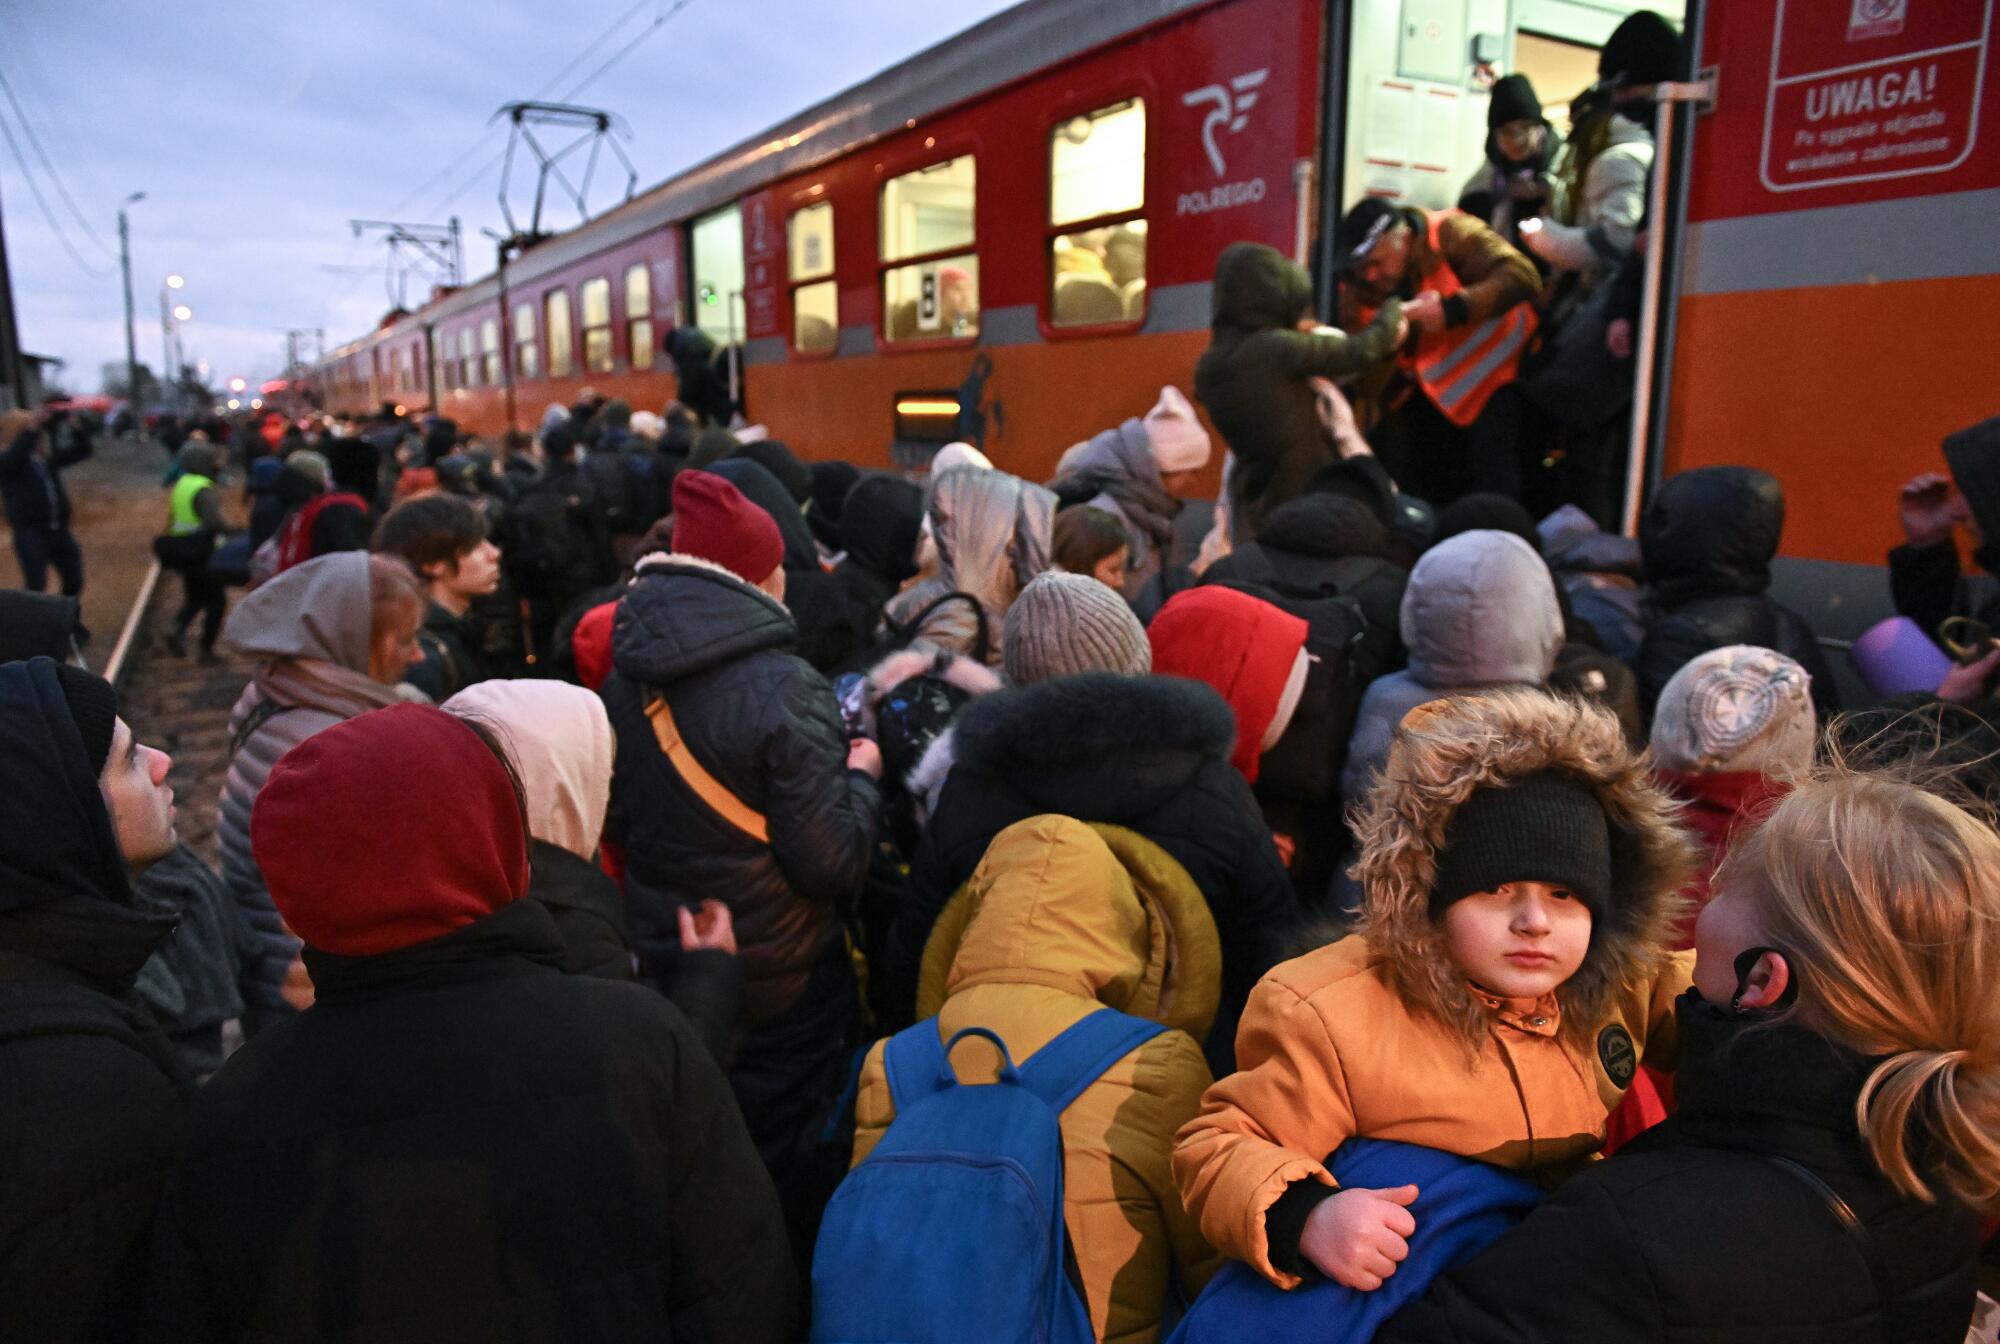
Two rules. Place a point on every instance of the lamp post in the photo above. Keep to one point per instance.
(131, 335)
(169, 314)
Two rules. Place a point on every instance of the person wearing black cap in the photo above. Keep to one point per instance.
(94, 1104)
(1924, 575)
(1602, 177)
(1512, 182)
(1521, 869)
(1467, 295)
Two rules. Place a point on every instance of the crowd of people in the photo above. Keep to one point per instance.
(671, 888)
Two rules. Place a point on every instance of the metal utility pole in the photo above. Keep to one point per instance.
(11, 377)
(437, 244)
(131, 333)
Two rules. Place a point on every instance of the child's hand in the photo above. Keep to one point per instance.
(1358, 1237)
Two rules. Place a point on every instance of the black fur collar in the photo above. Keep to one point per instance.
(1070, 722)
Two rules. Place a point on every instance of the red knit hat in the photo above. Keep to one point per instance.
(714, 522)
(1242, 646)
(393, 828)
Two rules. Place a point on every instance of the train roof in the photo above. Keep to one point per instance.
(1007, 47)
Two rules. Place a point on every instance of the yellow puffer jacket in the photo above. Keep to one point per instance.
(1062, 919)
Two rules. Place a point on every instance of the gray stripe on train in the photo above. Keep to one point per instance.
(1926, 238)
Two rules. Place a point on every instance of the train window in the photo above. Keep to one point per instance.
(468, 364)
(717, 240)
(815, 297)
(928, 223)
(561, 343)
(489, 347)
(441, 374)
(527, 354)
(639, 314)
(596, 296)
(1097, 180)
(816, 317)
(811, 239)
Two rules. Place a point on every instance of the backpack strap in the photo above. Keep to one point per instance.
(1850, 1224)
(918, 1062)
(263, 713)
(1060, 1071)
(707, 787)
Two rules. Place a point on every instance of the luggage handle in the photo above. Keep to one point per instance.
(1008, 1072)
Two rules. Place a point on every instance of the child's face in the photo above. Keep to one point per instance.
(1520, 941)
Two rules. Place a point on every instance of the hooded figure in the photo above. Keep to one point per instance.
(1508, 187)
(829, 634)
(1060, 920)
(556, 740)
(1147, 753)
(1707, 539)
(341, 1180)
(1924, 576)
(1255, 377)
(310, 627)
(879, 522)
(93, 1106)
(1380, 1034)
(993, 535)
(1480, 611)
(1325, 545)
(1250, 650)
(1121, 470)
(831, 482)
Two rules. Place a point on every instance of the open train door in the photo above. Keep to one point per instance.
(1404, 118)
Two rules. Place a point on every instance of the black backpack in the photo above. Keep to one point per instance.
(548, 543)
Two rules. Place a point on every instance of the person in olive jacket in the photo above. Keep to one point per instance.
(456, 1141)
(1255, 379)
(93, 1100)
(734, 780)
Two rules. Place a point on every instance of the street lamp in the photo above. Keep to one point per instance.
(183, 313)
(131, 333)
(172, 313)
(175, 282)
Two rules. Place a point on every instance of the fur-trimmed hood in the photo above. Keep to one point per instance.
(1444, 752)
(1069, 723)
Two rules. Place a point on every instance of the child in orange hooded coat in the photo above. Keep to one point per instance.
(1510, 970)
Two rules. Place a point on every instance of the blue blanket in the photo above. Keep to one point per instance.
(1462, 1206)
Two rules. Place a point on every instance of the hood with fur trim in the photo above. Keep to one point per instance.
(1441, 754)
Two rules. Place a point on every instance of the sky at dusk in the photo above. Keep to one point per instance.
(257, 130)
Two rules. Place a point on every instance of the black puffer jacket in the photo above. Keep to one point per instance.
(767, 727)
(93, 1104)
(1147, 753)
(1707, 540)
(1693, 1233)
(458, 1142)
(1322, 545)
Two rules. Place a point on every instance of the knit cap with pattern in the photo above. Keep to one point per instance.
(1738, 709)
(1063, 624)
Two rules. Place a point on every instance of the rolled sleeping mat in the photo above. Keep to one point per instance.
(1896, 657)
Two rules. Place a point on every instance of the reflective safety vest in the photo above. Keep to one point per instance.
(182, 520)
(1461, 367)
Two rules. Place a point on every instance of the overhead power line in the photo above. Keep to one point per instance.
(27, 126)
(55, 225)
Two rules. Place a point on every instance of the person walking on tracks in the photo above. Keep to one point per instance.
(194, 521)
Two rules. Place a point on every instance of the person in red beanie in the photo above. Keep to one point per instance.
(1249, 650)
(456, 1141)
(734, 780)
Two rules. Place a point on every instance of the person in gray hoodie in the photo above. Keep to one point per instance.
(993, 538)
(335, 635)
(1139, 473)
(1479, 611)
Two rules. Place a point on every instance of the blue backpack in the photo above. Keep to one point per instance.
(952, 1229)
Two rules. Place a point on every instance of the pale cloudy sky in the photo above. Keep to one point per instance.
(258, 130)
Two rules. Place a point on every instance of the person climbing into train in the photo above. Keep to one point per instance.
(446, 1067)
(1510, 967)
(1838, 1090)
(1512, 185)
(1466, 295)
(94, 1110)
(1255, 379)
(442, 538)
(735, 780)
(1924, 575)
(332, 638)
(1139, 472)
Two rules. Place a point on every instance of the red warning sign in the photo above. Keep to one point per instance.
(1867, 90)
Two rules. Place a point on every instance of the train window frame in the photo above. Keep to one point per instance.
(1097, 102)
(528, 349)
(468, 356)
(639, 333)
(825, 278)
(566, 366)
(489, 351)
(934, 155)
(596, 291)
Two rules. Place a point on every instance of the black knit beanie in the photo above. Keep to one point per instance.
(1644, 49)
(1542, 828)
(1973, 454)
(1512, 99)
(93, 705)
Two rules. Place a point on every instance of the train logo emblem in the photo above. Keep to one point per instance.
(1231, 109)
(1877, 18)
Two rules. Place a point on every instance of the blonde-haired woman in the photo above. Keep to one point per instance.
(1839, 1096)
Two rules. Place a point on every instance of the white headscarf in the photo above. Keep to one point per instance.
(558, 739)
